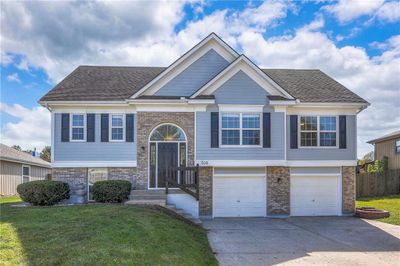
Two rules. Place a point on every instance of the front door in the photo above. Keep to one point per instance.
(167, 157)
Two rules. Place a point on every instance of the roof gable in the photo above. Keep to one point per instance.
(240, 89)
(242, 63)
(195, 75)
(210, 42)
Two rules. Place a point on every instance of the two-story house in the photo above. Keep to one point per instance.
(268, 141)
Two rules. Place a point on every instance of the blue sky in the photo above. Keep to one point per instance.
(349, 40)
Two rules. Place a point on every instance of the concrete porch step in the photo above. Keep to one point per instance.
(143, 195)
(146, 202)
(183, 214)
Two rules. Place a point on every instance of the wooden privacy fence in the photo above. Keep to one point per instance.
(378, 184)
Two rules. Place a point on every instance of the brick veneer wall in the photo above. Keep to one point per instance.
(205, 191)
(146, 122)
(72, 176)
(348, 189)
(278, 190)
(123, 173)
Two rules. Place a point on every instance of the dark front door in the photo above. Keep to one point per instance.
(167, 157)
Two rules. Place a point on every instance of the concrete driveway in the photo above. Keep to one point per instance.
(304, 241)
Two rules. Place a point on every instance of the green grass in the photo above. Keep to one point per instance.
(98, 235)
(389, 203)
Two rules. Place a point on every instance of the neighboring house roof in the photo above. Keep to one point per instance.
(109, 83)
(392, 135)
(11, 154)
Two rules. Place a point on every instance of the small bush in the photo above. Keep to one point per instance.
(111, 190)
(43, 192)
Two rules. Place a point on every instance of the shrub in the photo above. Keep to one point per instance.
(43, 192)
(111, 190)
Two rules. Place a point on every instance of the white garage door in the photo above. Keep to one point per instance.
(239, 196)
(315, 195)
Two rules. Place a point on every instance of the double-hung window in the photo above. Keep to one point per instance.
(77, 127)
(397, 146)
(318, 131)
(117, 127)
(240, 129)
(26, 173)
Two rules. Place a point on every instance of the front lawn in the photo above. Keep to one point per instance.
(389, 203)
(98, 235)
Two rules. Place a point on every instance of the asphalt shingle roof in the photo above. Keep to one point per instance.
(8, 153)
(99, 83)
(104, 83)
(312, 85)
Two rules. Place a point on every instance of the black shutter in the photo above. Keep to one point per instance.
(104, 127)
(64, 127)
(342, 132)
(90, 128)
(129, 127)
(267, 130)
(214, 129)
(293, 132)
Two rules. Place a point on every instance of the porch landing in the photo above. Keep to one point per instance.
(158, 197)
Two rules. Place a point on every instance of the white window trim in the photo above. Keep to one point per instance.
(22, 174)
(240, 130)
(110, 127)
(318, 132)
(71, 127)
(395, 146)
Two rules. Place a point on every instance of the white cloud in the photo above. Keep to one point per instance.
(389, 12)
(32, 130)
(5, 58)
(347, 10)
(376, 79)
(58, 36)
(14, 77)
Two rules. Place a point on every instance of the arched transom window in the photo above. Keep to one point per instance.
(167, 133)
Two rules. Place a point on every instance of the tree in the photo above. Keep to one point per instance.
(46, 154)
(16, 147)
(369, 157)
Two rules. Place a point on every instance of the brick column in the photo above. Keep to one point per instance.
(278, 190)
(205, 191)
(348, 189)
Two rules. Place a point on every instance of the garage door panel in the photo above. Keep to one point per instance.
(315, 195)
(239, 196)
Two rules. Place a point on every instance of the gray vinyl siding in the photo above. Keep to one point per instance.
(195, 75)
(240, 89)
(205, 152)
(11, 176)
(92, 151)
(327, 153)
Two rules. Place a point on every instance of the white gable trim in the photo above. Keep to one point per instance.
(210, 42)
(244, 64)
